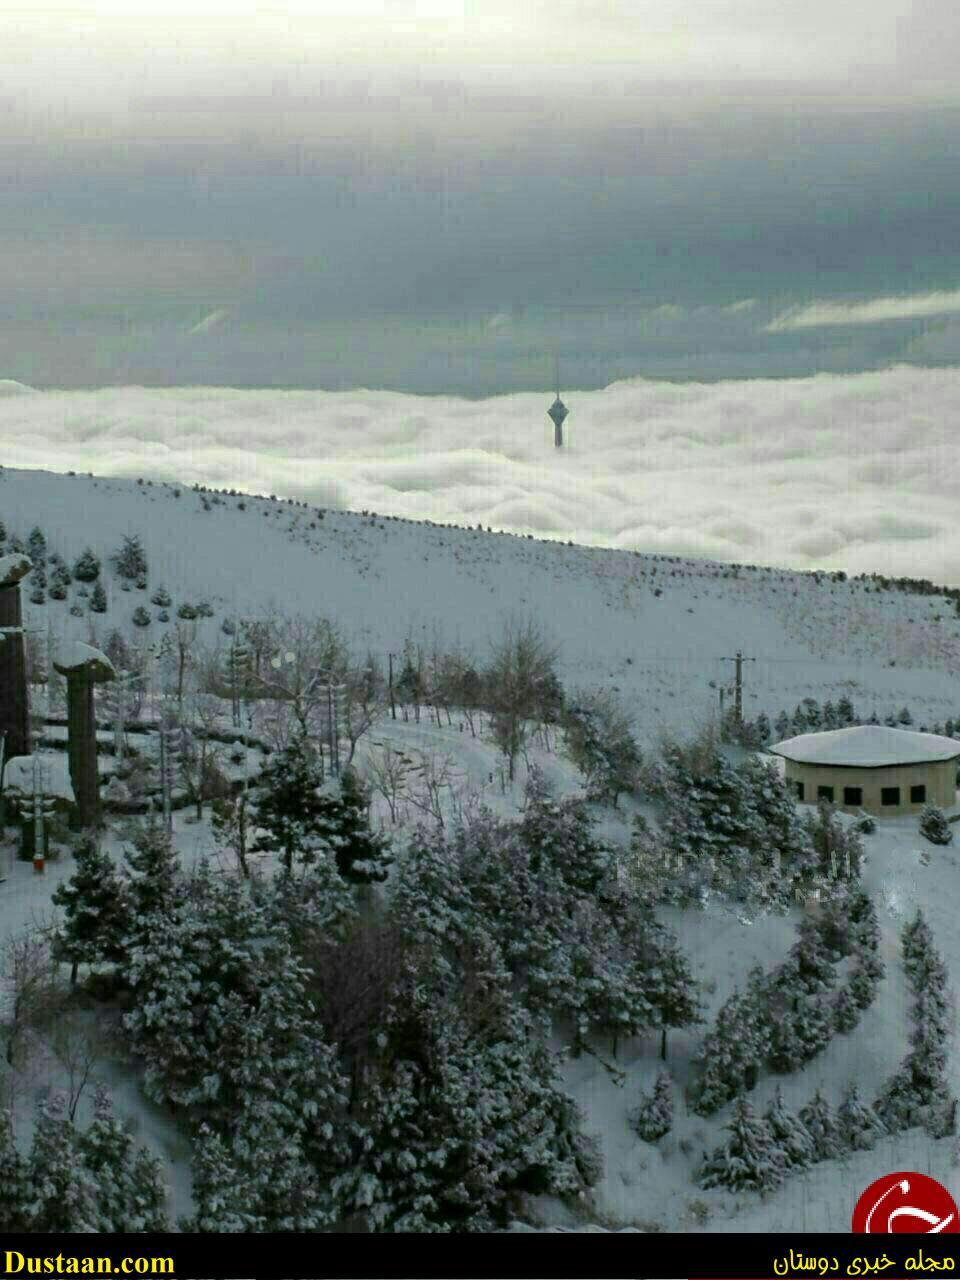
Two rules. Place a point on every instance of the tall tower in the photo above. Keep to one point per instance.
(557, 411)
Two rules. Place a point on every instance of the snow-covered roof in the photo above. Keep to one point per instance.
(869, 746)
(54, 772)
(73, 654)
(14, 567)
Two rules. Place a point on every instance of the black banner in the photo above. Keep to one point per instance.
(550, 1256)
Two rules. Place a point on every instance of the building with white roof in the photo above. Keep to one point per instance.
(887, 772)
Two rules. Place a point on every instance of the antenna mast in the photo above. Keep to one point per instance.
(558, 410)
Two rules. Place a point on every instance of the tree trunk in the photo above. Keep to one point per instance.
(82, 751)
(73, 974)
(663, 1043)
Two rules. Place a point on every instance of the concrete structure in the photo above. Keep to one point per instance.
(887, 772)
(83, 666)
(14, 721)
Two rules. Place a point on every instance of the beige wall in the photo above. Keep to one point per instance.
(939, 780)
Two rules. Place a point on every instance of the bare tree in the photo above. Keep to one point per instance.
(306, 652)
(184, 642)
(520, 672)
(434, 775)
(387, 772)
(78, 1042)
(362, 701)
(30, 993)
(199, 757)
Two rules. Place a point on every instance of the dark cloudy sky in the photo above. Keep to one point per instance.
(434, 196)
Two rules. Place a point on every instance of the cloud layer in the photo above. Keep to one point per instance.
(858, 472)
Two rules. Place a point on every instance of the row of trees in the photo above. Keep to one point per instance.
(786, 1018)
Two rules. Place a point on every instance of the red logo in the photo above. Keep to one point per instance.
(905, 1202)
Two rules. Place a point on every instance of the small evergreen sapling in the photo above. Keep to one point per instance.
(87, 567)
(934, 826)
(653, 1118)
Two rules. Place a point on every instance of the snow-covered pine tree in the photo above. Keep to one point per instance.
(362, 856)
(287, 805)
(63, 1194)
(750, 1159)
(934, 826)
(811, 710)
(561, 833)
(818, 1119)
(37, 546)
(781, 727)
(224, 1203)
(653, 1118)
(87, 566)
(600, 742)
(130, 561)
(798, 722)
(94, 910)
(829, 716)
(866, 974)
(98, 598)
(845, 713)
(790, 1134)
(846, 1012)
(130, 1193)
(858, 1125)
(732, 1054)
(462, 1110)
(161, 598)
(15, 1192)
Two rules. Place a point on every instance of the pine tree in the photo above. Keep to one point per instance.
(846, 1012)
(732, 1055)
(362, 857)
(763, 729)
(130, 1195)
(818, 1119)
(14, 1182)
(462, 1108)
(224, 1202)
(161, 598)
(845, 712)
(934, 826)
(812, 712)
(858, 1125)
(866, 974)
(830, 716)
(87, 567)
(130, 561)
(98, 599)
(93, 904)
(905, 717)
(653, 1118)
(790, 1134)
(37, 546)
(286, 804)
(782, 726)
(750, 1159)
(63, 1193)
(141, 618)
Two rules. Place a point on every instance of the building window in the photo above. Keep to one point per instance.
(853, 795)
(918, 795)
(890, 795)
(825, 793)
(799, 786)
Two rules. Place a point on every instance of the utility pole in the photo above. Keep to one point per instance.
(738, 687)
(393, 705)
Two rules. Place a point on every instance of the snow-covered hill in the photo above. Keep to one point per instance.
(659, 630)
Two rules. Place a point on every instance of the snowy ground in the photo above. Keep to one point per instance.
(383, 580)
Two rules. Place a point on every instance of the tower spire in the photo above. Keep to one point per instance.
(558, 410)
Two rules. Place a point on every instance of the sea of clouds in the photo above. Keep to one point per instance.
(853, 471)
